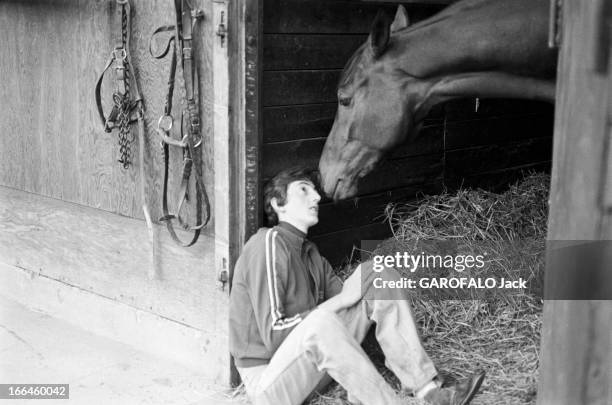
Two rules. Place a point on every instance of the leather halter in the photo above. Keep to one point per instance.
(128, 107)
(191, 138)
(125, 104)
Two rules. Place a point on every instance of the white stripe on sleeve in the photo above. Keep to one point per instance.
(278, 322)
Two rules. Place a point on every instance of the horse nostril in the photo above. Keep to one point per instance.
(336, 187)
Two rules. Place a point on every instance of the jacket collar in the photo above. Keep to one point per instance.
(292, 233)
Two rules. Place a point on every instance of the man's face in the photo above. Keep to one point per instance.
(301, 207)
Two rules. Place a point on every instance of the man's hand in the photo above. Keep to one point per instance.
(351, 290)
(351, 293)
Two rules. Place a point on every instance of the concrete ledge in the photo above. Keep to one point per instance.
(106, 317)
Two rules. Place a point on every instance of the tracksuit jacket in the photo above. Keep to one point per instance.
(278, 279)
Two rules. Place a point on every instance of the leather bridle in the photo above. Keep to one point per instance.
(127, 107)
(191, 138)
(124, 105)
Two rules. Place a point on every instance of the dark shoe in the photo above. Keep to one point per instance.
(460, 394)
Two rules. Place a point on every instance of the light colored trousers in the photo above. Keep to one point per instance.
(328, 344)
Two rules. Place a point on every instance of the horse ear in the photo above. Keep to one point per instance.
(401, 19)
(379, 35)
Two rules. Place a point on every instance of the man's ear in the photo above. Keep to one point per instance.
(274, 204)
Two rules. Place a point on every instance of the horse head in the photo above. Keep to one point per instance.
(371, 118)
(391, 82)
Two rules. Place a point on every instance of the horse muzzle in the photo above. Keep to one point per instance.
(340, 176)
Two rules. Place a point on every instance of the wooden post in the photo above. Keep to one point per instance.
(222, 146)
(576, 337)
(253, 123)
(243, 39)
(244, 45)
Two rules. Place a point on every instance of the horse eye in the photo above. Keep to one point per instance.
(344, 101)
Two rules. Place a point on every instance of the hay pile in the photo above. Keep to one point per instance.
(518, 213)
(498, 333)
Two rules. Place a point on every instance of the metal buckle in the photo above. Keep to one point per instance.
(161, 123)
(166, 139)
(123, 54)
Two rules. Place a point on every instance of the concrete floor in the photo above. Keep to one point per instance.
(36, 348)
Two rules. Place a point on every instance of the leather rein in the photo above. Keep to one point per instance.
(182, 48)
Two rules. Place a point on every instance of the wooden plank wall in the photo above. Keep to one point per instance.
(496, 144)
(305, 46)
(92, 269)
(53, 143)
(109, 256)
(61, 185)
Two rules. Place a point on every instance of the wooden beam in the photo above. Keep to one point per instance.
(244, 43)
(223, 162)
(576, 335)
(253, 37)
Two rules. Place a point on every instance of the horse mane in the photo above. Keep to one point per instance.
(346, 77)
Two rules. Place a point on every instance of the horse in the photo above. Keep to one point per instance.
(473, 48)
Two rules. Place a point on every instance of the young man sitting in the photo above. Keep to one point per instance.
(294, 324)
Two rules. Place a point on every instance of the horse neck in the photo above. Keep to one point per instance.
(505, 35)
(427, 52)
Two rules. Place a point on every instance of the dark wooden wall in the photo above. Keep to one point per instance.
(305, 46)
(495, 145)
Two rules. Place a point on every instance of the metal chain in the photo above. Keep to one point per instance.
(126, 137)
(124, 44)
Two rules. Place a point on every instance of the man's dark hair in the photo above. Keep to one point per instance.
(277, 188)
